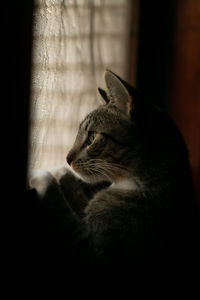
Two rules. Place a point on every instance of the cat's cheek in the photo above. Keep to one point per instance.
(40, 181)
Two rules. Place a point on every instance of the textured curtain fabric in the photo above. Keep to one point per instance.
(74, 42)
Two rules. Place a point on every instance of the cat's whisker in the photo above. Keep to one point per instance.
(101, 170)
(102, 164)
(95, 169)
(95, 174)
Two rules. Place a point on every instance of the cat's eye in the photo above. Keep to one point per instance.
(91, 137)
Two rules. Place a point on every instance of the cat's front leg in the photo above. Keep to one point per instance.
(61, 232)
(59, 184)
(75, 190)
(53, 206)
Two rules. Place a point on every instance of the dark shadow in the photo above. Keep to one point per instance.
(156, 28)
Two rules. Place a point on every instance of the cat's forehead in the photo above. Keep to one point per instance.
(100, 119)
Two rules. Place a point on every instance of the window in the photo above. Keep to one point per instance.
(74, 42)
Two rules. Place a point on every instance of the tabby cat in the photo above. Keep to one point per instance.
(127, 195)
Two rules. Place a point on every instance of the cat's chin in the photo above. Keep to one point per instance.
(76, 174)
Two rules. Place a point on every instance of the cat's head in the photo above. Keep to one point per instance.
(101, 148)
(122, 132)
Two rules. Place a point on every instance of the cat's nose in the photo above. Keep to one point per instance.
(70, 157)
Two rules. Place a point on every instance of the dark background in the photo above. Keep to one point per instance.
(168, 70)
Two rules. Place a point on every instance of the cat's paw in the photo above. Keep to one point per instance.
(58, 173)
(65, 176)
(41, 180)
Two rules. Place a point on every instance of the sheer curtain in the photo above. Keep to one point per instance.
(74, 42)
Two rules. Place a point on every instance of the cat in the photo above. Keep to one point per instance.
(126, 195)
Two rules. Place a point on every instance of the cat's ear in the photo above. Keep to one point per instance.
(118, 93)
(103, 96)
